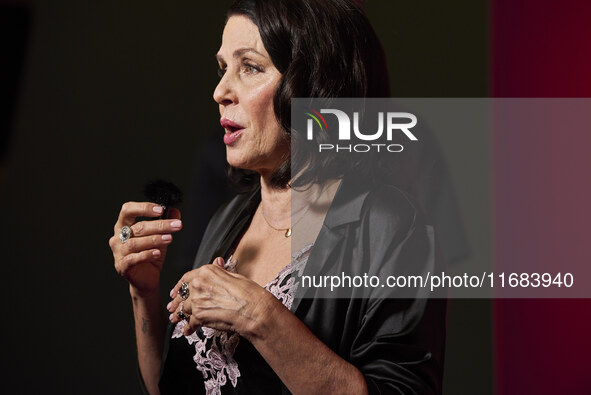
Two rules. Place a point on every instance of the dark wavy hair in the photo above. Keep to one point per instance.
(323, 49)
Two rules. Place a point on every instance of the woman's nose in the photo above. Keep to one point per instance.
(223, 92)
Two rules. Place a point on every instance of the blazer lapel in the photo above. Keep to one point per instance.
(328, 247)
(228, 228)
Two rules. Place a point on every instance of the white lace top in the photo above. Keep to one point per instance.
(214, 349)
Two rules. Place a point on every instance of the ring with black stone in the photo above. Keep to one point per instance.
(182, 315)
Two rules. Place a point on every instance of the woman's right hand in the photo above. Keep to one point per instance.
(140, 259)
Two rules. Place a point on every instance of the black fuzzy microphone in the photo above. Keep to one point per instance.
(163, 193)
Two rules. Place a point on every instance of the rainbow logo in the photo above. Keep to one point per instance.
(315, 117)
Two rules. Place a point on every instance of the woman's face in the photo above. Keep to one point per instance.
(253, 137)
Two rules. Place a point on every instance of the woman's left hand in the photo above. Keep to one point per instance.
(222, 300)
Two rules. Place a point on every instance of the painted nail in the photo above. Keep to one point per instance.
(170, 317)
(166, 237)
(176, 224)
(172, 293)
(168, 306)
(158, 209)
(156, 253)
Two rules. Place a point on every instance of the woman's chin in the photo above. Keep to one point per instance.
(239, 163)
(251, 162)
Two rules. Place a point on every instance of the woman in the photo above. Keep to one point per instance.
(236, 325)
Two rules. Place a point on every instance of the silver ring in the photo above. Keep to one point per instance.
(182, 315)
(184, 291)
(125, 234)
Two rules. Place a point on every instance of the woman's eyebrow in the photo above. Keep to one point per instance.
(242, 51)
(239, 52)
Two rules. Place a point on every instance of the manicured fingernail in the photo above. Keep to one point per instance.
(176, 224)
(168, 306)
(170, 317)
(166, 237)
(158, 209)
(156, 253)
(172, 293)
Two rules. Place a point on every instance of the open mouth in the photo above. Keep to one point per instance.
(233, 130)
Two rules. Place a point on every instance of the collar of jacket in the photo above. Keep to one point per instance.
(345, 211)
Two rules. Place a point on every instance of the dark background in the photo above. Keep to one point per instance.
(110, 94)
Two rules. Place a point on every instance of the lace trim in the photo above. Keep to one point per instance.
(214, 350)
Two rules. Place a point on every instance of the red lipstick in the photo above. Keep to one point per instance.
(233, 130)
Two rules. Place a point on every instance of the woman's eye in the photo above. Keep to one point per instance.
(250, 69)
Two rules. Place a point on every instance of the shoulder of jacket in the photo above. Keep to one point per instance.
(390, 206)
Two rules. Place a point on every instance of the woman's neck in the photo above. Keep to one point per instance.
(280, 204)
(275, 203)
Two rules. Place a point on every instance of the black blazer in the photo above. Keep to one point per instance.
(398, 344)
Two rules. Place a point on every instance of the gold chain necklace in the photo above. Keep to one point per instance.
(286, 230)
